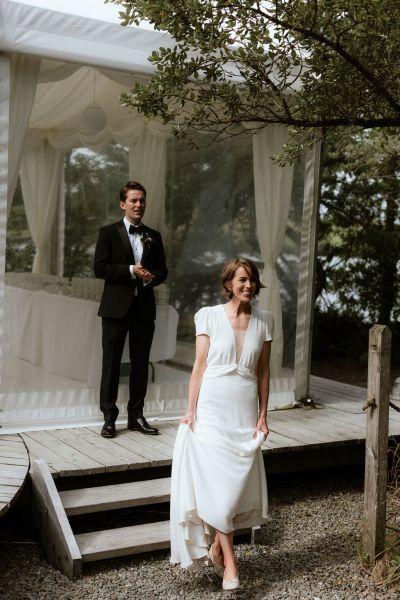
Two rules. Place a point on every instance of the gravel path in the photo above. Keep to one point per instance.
(309, 552)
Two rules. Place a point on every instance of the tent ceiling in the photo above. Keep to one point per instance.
(84, 8)
(82, 59)
(59, 104)
(67, 37)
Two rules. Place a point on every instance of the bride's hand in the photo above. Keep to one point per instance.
(261, 426)
(188, 419)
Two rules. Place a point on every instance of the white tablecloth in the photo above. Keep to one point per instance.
(63, 334)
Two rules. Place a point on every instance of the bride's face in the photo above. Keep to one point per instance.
(242, 286)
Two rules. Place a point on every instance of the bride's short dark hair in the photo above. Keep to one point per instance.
(229, 270)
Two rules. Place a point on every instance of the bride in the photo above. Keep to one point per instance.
(218, 479)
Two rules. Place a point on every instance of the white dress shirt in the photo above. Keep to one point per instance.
(137, 248)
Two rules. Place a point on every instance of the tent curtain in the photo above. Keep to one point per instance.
(24, 76)
(41, 171)
(308, 254)
(59, 229)
(147, 164)
(273, 190)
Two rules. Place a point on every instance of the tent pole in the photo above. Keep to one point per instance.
(5, 85)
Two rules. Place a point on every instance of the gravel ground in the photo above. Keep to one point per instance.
(309, 551)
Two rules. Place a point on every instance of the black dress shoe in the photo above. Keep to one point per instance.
(108, 430)
(140, 424)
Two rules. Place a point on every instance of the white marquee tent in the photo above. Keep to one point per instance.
(54, 62)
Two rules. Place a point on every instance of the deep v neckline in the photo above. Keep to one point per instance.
(238, 359)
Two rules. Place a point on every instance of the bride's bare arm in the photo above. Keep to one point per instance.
(263, 387)
(200, 364)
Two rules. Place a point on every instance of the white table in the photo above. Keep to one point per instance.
(63, 334)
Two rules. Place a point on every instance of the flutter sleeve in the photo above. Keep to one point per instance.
(202, 321)
(269, 327)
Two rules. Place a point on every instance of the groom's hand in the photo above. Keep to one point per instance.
(143, 273)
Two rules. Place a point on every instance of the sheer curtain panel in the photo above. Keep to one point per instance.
(273, 190)
(147, 164)
(41, 171)
(24, 76)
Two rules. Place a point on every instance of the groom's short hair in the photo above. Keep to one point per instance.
(131, 185)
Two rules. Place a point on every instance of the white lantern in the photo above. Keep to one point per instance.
(93, 119)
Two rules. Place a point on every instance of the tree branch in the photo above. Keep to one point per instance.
(336, 47)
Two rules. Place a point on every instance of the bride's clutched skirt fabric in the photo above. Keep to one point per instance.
(218, 479)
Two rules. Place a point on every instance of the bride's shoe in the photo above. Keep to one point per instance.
(230, 584)
(218, 569)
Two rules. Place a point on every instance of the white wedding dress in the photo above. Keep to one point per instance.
(218, 478)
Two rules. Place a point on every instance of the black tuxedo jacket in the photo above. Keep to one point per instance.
(112, 257)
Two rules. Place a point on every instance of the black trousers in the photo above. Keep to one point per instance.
(141, 331)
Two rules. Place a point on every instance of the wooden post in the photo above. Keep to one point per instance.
(376, 443)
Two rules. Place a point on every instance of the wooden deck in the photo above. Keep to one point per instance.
(337, 422)
(14, 467)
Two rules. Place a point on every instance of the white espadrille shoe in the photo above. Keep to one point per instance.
(230, 584)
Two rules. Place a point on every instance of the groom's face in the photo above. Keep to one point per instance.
(134, 206)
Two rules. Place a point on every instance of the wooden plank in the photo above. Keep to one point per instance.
(13, 471)
(354, 408)
(15, 448)
(346, 417)
(354, 429)
(135, 444)
(168, 433)
(22, 461)
(123, 541)
(300, 429)
(11, 437)
(16, 482)
(109, 497)
(72, 438)
(376, 444)
(336, 428)
(329, 391)
(278, 440)
(394, 429)
(57, 464)
(342, 404)
(83, 464)
(7, 496)
(23, 458)
(156, 442)
(12, 478)
(394, 417)
(131, 459)
(55, 531)
(336, 385)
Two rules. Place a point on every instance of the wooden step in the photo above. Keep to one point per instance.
(109, 497)
(123, 541)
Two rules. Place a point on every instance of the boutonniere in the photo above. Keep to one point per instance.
(146, 239)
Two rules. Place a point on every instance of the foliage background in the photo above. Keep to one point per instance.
(359, 249)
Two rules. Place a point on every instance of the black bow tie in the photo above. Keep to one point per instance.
(139, 229)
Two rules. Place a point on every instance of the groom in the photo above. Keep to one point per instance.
(130, 258)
